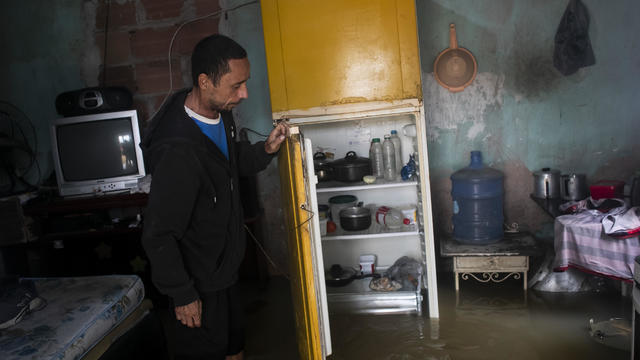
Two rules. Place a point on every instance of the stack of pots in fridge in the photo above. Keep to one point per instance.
(322, 166)
(348, 214)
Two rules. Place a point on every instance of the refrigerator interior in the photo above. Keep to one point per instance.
(345, 247)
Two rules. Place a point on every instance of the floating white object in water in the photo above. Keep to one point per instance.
(614, 332)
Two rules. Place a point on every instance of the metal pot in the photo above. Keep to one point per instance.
(324, 173)
(322, 168)
(339, 202)
(546, 184)
(339, 276)
(351, 168)
(573, 187)
(355, 218)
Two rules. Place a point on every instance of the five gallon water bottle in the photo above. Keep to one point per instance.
(375, 157)
(389, 158)
(477, 193)
(398, 150)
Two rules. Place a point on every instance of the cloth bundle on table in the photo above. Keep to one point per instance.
(624, 225)
(581, 241)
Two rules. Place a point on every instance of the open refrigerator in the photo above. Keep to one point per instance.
(339, 129)
(341, 73)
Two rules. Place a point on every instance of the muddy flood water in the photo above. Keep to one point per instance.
(485, 321)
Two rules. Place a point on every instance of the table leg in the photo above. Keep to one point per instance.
(524, 275)
(455, 274)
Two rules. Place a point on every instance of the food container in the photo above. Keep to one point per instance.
(323, 226)
(351, 168)
(409, 212)
(323, 211)
(607, 189)
(355, 218)
(367, 264)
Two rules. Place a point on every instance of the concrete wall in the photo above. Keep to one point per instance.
(52, 47)
(43, 49)
(520, 111)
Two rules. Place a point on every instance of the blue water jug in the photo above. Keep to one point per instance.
(477, 193)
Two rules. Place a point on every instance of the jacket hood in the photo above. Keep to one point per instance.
(170, 125)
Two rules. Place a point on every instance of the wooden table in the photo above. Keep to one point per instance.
(495, 262)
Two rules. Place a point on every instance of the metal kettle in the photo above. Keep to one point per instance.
(546, 184)
(573, 186)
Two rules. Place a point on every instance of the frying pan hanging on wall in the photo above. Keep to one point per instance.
(455, 67)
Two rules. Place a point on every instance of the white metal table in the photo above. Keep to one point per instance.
(493, 262)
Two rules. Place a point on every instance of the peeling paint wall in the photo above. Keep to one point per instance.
(520, 111)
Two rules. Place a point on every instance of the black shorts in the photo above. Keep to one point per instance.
(221, 332)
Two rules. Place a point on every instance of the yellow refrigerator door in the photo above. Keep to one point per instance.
(305, 254)
(331, 52)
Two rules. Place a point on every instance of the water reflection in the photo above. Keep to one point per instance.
(485, 321)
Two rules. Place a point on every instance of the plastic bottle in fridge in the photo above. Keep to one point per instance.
(389, 158)
(375, 157)
(390, 217)
(397, 146)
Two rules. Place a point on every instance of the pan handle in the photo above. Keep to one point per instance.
(453, 41)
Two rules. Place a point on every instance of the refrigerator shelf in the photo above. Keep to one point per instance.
(356, 297)
(335, 186)
(374, 231)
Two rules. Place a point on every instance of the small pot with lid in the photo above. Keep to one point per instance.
(351, 168)
(546, 183)
(573, 187)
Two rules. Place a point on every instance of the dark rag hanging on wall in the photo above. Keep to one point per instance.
(572, 45)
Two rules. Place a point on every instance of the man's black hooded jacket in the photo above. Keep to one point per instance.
(193, 225)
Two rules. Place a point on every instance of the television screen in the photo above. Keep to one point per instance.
(97, 153)
(99, 149)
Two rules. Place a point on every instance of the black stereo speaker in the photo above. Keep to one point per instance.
(93, 100)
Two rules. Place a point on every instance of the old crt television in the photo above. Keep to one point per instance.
(97, 154)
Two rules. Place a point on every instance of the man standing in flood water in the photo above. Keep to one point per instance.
(193, 231)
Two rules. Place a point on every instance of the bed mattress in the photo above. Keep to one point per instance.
(80, 311)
